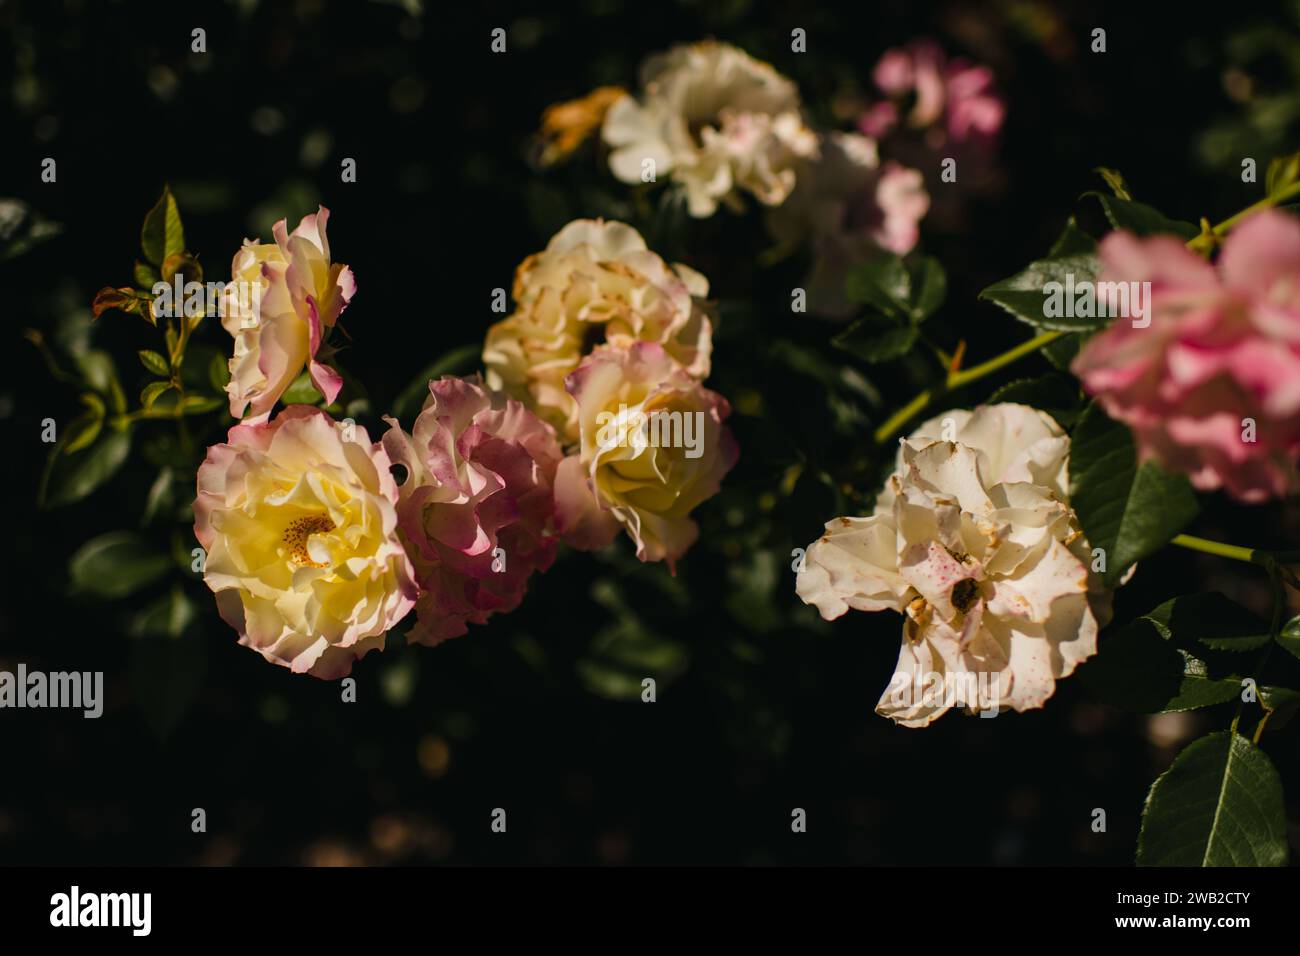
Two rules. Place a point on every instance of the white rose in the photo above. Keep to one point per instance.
(974, 541)
(717, 120)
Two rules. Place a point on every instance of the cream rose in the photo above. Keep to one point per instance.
(595, 283)
(974, 542)
(715, 119)
(278, 329)
(299, 521)
(653, 446)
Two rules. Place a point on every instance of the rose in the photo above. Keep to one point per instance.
(653, 446)
(1209, 381)
(1220, 348)
(298, 518)
(282, 300)
(596, 282)
(476, 507)
(717, 120)
(974, 541)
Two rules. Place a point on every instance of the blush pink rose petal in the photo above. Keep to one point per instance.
(1219, 363)
(298, 517)
(476, 504)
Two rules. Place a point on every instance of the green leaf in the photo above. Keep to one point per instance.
(151, 392)
(457, 361)
(1053, 393)
(1127, 510)
(1072, 241)
(1140, 669)
(84, 429)
(929, 287)
(1027, 297)
(1219, 804)
(623, 654)
(1061, 352)
(162, 234)
(145, 275)
(1210, 620)
(116, 564)
(898, 289)
(1281, 702)
(154, 362)
(1289, 637)
(1283, 171)
(71, 476)
(200, 404)
(167, 616)
(877, 337)
(22, 228)
(1142, 219)
(219, 372)
(302, 392)
(160, 495)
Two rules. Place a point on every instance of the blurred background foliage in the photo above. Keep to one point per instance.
(762, 707)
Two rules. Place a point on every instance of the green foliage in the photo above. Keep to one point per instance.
(1219, 804)
(115, 565)
(899, 295)
(71, 475)
(1127, 510)
(1144, 669)
(1072, 259)
(162, 234)
(1142, 219)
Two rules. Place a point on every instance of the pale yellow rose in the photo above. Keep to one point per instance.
(596, 283)
(653, 446)
(299, 520)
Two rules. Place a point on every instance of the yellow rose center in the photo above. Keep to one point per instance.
(296, 535)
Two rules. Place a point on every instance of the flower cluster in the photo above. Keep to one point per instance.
(315, 548)
(605, 332)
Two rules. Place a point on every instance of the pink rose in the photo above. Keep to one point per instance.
(476, 504)
(1211, 388)
(953, 99)
(298, 517)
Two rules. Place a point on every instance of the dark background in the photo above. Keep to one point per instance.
(762, 707)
